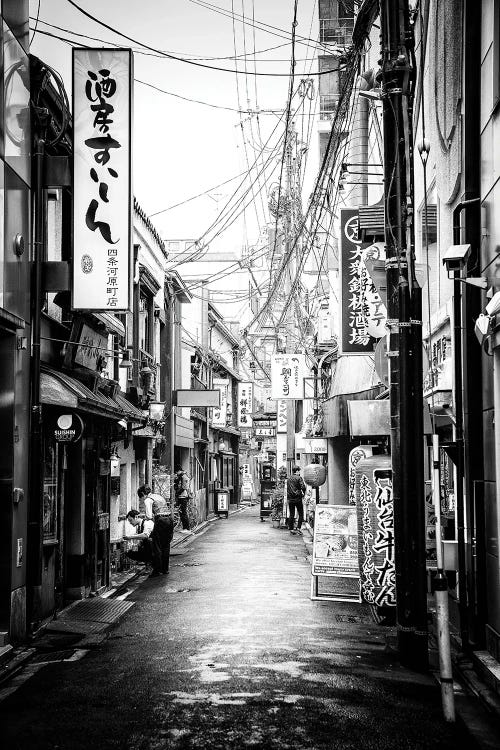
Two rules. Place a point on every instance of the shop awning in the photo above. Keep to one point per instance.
(112, 324)
(60, 389)
(355, 379)
(369, 418)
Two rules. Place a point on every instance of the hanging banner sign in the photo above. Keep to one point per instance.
(281, 413)
(287, 376)
(335, 544)
(219, 414)
(102, 192)
(374, 506)
(245, 404)
(357, 289)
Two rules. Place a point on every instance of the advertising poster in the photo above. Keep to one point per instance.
(102, 196)
(374, 506)
(335, 544)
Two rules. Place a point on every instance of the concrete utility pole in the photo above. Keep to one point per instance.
(405, 339)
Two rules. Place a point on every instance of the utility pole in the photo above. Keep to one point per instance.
(405, 334)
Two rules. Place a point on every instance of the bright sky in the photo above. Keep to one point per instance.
(183, 148)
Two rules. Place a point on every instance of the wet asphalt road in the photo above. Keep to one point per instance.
(228, 651)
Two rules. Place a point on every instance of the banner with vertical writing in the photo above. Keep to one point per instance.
(102, 184)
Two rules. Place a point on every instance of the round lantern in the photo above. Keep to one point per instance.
(315, 475)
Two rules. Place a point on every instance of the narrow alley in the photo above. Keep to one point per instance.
(229, 651)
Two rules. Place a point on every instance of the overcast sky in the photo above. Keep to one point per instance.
(183, 148)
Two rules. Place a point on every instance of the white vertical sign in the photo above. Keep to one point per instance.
(245, 404)
(102, 192)
(219, 414)
(281, 416)
(287, 376)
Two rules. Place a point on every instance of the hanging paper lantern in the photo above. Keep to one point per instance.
(315, 475)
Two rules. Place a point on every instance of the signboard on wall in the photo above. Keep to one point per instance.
(102, 193)
(356, 287)
(245, 404)
(287, 376)
(91, 347)
(374, 505)
(315, 445)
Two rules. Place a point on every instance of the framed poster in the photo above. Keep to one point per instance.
(335, 544)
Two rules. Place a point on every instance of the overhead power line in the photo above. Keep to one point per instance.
(178, 58)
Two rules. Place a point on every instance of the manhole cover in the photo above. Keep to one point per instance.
(54, 656)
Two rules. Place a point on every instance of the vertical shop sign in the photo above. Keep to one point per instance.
(245, 404)
(281, 414)
(287, 376)
(376, 531)
(219, 413)
(355, 456)
(357, 289)
(102, 194)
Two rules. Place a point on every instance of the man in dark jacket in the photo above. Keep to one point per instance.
(295, 490)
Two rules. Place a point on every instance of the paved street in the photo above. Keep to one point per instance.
(228, 651)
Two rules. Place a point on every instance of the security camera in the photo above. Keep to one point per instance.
(493, 306)
(456, 257)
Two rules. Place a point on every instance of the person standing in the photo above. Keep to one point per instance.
(295, 489)
(161, 537)
(146, 499)
(181, 488)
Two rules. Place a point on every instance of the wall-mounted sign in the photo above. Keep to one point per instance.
(281, 415)
(68, 428)
(102, 194)
(265, 431)
(356, 287)
(315, 445)
(219, 414)
(245, 404)
(287, 376)
(374, 506)
(91, 346)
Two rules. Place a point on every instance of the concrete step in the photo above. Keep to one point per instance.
(4, 638)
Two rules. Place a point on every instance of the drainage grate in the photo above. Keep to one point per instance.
(54, 656)
(187, 565)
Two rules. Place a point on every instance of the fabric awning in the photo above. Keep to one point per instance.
(112, 324)
(60, 389)
(355, 379)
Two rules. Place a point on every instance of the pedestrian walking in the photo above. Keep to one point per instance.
(182, 494)
(295, 489)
